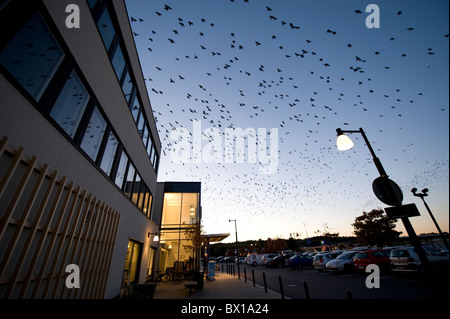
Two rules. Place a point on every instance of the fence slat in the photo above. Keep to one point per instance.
(78, 228)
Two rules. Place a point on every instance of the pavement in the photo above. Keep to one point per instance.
(223, 286)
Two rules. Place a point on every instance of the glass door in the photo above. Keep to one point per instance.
(132, 261)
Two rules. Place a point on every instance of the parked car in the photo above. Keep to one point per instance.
(320, 260)
(267, 257)
(406, 259)
(343, 262)
(378, 257)
(254, 259)
(229, 260)
(278, 261)
(299, 261)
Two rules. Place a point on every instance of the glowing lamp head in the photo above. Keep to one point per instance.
(343, 142)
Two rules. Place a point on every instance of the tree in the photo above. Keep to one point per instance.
(375, 228)
(274, 245)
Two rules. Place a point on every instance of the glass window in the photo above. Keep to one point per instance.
(94, 134)
(189, 209)
(32, 56)
(70, 105)
(154, 158)
(106, 28)
(109, 154)
(171, 209)
(140, 125)
(92, 3)
(127, 86)
(121, 170)
(145, 135)
(149, 147)
(136, 189)
(128, 188)
(147, 202)
(142, 192)
(118, 62)
(135, 107)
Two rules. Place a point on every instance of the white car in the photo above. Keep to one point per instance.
(320, 260)
(343, 262)
(406, 259)
(254, 260)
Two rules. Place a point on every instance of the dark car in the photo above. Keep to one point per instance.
(279, 261)
(299, 261)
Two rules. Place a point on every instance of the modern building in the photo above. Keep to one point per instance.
(79, 153)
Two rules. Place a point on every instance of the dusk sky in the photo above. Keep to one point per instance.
(302, 69)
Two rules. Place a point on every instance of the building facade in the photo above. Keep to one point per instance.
(79, 152)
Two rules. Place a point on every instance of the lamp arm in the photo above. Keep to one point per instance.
(376, 160)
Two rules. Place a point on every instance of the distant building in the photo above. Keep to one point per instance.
(79, 154)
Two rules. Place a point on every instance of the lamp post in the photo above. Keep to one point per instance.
(344, 143)
(422, 195)
(237, 246)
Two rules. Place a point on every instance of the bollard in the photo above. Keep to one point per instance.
(265, 283)
(281, 287)
(253, 277)
(349, 294)
(305, 285)
(234, 271)
(245, 274)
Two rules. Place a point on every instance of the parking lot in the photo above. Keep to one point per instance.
(329, 285)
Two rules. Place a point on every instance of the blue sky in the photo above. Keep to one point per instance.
(238, 64)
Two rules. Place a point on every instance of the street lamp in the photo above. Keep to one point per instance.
(422, 195)
(387, 191)
(237, 246)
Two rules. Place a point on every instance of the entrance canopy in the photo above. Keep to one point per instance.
(211, 238)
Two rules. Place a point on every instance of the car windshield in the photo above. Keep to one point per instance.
(432, 251)
(343, 255)
(400, 253)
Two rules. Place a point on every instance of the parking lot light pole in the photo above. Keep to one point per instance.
(237, 246)
(422, 195)
(344, 143)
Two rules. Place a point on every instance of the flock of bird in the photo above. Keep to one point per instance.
(275, 75)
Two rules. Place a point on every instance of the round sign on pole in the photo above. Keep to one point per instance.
(387, 191)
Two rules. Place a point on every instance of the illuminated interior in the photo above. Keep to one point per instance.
(180, 231)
